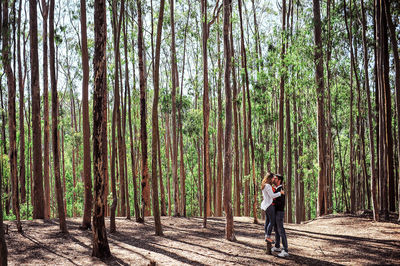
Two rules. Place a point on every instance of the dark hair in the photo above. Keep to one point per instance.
(280, 177)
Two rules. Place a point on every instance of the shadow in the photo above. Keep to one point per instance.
(114, 261)
(145, 245)
(345, 238)
(40, 245)
(307, 261)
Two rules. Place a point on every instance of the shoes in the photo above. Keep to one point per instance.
(283, 254)
(269, 240)
(275, 249)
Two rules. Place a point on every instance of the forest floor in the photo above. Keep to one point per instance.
(332, 240)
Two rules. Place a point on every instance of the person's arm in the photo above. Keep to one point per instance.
(271, 193)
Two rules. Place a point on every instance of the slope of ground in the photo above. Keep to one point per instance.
(332, 240)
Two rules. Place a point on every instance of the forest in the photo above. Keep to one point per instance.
(156, 111)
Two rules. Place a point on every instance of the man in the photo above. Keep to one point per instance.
(279, 216)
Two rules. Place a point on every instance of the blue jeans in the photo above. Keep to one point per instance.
(280, 232)
(269, 220)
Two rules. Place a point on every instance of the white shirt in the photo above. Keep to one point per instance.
(268, 196)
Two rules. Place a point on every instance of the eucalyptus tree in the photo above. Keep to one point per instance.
(86, 125)
(155, 137)
(12, 130)
(54, 115)
(38, 196)
(319, 79)
(100, 242)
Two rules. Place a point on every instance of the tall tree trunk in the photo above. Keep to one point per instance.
(319, 79)
(125, 26)
(21, 85)
(12, 127)
(154, 145)
(114, 203)
(282, 90)
(288, 162)
(383, 72)
(174, 76)
(352, 176)
(393, 40)
(218, 209)
(117, 33)
(237, 132)
(46, 136)
(206, 117)
(100, 243)
(229, 230)
(370, 122)
(329, 142)
(38, 203)
(133, 161)
(86, 223)
(54, 116)
(162, 189)
(143, 132)
(3, 245)
(167, 152)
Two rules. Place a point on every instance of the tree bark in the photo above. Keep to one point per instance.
(12, 127)
(319, 79)
(237, 131)
(143, 133)
(282, 91)
(393, 41)
(100, 243)
(38, 202)
(174, 76)
(370, 121)
(21, 84)
(46, 135)
(86, 223)
(154, 145)
(54, 116)
(229, 230)
(206, 117)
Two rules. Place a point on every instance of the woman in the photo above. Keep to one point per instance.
(266, 204)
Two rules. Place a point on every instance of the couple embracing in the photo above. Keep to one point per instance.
(274, 206)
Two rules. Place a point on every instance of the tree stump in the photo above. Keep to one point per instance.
(269, 246)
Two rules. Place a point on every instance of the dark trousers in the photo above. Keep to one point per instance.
(280, 231)
(269, 220)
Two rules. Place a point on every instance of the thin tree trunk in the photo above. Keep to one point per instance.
(237, 132)
(86, 223)
(370, 122)
(12, 130)
(154, 145)
(100, 243)
(218, 209)
(54, 116)
(167, 152)
(288, 162)
(229, 230)
(319, 79)
(133, 162)
(174, 76)
(117, 34)
(143, 133)
(162, 189)
(282, 91)
(46, 136)
(21, 84)
(3, 245)
(206, 117)
(393, 41)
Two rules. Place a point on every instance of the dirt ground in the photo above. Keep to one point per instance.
(331, 240)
